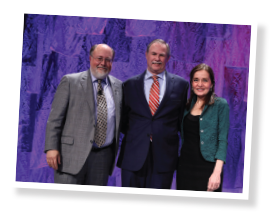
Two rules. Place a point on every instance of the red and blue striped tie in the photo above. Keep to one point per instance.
(154, 96)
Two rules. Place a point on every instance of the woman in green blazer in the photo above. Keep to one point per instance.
(204, 133)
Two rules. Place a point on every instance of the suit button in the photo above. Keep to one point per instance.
(202, 142)
(201, 131)
(94, 125)
(148, 135)
(200, 118)
(91, 141)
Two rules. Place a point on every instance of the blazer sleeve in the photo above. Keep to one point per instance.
(57, 116)
(223, 126)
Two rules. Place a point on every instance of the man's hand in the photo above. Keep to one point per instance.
(53, 158)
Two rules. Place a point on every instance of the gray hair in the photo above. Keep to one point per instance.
(159, 41)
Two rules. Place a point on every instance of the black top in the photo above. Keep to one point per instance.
(191, 147)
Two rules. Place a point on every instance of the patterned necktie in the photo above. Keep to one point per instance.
(154, 96)
(101, 126)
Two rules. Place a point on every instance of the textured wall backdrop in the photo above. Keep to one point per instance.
(57, 45)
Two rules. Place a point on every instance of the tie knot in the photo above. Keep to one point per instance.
(99, 87)
(155, 77)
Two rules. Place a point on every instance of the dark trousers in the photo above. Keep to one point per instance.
(94, 172)
(147, 177)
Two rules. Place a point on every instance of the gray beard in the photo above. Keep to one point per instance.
(99, 75)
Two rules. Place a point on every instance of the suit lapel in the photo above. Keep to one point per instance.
(168, 90)
(141, 98)
(116, 92)
(86, 83)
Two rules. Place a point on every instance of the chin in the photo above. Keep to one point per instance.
(157, 68)
(200, 94)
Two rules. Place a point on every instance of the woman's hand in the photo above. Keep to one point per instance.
(215, 179)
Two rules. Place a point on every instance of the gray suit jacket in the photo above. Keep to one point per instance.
(71, 123)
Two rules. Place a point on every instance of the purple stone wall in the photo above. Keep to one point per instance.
(57, 45)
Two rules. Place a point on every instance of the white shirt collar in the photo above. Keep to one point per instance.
(149, 74)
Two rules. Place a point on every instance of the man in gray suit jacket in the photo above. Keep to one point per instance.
(82, 134)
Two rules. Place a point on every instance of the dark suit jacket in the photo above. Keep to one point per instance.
(138, 124)
(71, 123)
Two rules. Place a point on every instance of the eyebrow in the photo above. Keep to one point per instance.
(201, 78)
(104, 57)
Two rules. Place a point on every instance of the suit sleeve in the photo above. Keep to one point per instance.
(124, 127)
(124, 113)
(184, 101)
(223, 130)
(57, 116)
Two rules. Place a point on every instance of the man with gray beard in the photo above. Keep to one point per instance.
(82, 134)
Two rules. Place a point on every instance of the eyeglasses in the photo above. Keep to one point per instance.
(100, 59)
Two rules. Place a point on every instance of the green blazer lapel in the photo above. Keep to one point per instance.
(204, 109)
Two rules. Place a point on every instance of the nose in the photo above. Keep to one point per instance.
(199, 83)
(157, 57)
(103, 61)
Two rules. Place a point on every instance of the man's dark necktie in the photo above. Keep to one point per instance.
(101, 126)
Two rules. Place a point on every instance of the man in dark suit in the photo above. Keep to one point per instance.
(82, 132)
(153, 106)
